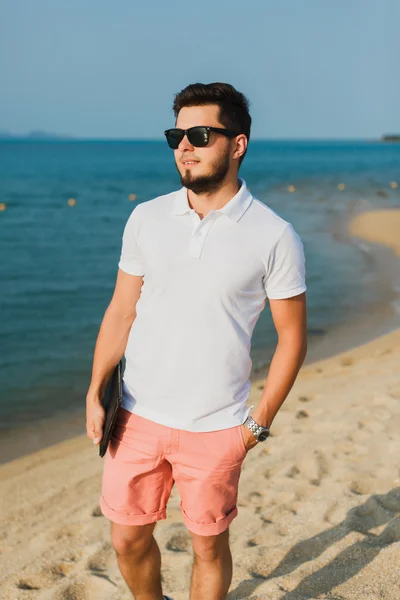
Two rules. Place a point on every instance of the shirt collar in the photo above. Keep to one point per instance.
(234, 209)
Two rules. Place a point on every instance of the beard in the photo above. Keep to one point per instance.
(207, 184)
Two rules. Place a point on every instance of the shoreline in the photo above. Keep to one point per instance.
(383, 319)
(43, 434)
(59, 431)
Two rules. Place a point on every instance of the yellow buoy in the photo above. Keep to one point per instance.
(132, 197)
(394, 185)
(341, 187)
(3, 206)
(291, 188)
(71, 202)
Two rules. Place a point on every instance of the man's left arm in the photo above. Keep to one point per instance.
(290, 320)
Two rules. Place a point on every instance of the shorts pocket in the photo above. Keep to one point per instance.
(241, 440)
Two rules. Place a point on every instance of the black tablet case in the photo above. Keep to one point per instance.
(111, 402)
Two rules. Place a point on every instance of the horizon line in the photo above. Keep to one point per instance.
(61, 138)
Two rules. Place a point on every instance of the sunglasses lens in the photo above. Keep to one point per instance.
(174, 137)
(198, 136)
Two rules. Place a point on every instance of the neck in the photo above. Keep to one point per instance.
(204, 203)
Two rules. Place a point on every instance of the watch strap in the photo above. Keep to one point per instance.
(255, 427)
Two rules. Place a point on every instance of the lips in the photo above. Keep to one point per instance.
(190, 162)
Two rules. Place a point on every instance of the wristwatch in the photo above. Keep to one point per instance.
(261, 433)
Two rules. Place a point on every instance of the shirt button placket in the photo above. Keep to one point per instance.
(199, 235)
(195, 245)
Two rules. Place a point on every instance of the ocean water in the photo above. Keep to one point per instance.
(59, 262)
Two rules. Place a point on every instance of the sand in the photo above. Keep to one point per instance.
(319, 501)
(378, 226)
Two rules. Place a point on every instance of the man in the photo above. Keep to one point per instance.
(196, 268)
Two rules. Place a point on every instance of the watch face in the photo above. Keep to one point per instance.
(263, 436)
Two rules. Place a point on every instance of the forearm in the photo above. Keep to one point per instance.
(109, 349)
(285, 365)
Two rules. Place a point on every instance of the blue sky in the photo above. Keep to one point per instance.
(101, 69)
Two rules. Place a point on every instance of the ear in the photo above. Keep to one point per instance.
(240, 145)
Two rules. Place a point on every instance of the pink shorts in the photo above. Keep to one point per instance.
(144, 459)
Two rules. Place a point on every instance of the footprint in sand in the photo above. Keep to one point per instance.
(347, 361)
(29, 584)
(306, 398)
(178, 542)
(362, 487)
(255, 497)
(302, 414)
(96, 512)
(268, 474)
(293, 472)
(67, 531)
(45, 578)
(86, 588)
(50, 575)
(322, 466)
(100, 560)
(330, 513)
(313, 468)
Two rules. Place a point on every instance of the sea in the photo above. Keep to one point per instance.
(64, 205)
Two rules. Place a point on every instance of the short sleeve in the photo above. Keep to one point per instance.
(286, 272)
(131, 260)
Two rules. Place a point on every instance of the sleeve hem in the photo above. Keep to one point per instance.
(288, 293)
(130, 270)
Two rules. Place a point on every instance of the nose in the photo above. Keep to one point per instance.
(185, 144)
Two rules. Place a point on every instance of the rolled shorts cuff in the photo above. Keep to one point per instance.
(130, 519)
(209, 528)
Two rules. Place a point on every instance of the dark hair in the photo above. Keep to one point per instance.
(233, 105)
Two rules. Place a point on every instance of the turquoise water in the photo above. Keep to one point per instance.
(59, 263)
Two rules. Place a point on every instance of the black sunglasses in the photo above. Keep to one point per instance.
(198, 136)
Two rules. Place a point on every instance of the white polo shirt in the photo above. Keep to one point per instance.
(205, 282)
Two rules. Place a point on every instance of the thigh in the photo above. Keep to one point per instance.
(206, 469)
(137, 479)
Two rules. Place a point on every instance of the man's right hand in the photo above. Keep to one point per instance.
(95, 416)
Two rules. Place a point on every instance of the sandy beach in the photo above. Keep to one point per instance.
(319, 501)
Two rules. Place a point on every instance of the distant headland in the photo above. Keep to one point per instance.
(392, 137)
(34, 135)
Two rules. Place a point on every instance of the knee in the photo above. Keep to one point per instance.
(133, 540)
(210, 547)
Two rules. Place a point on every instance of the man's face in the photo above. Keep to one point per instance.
(213, 162)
